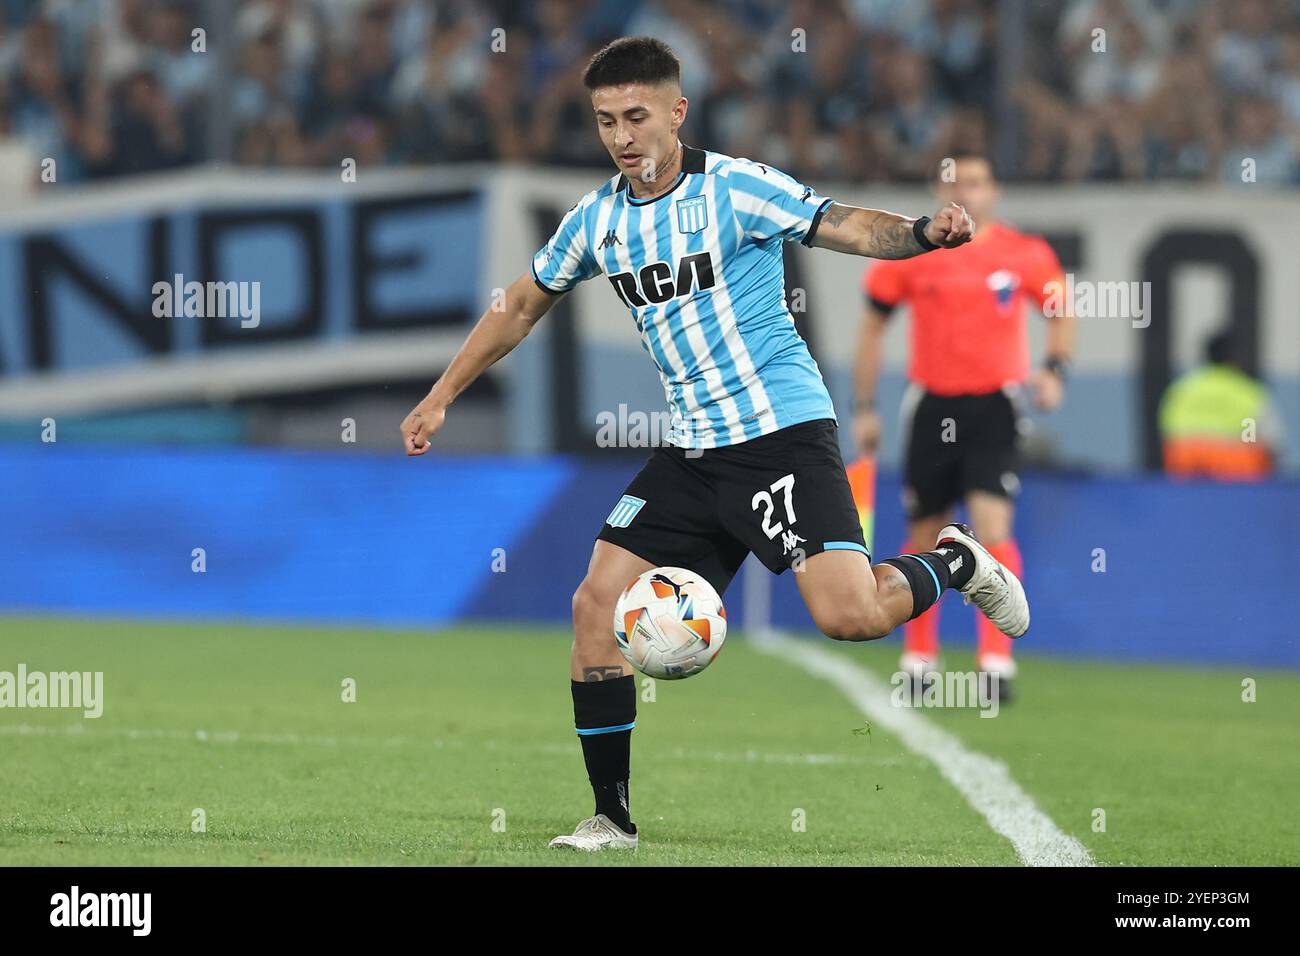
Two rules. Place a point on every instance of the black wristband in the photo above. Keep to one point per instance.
(918, 230)
(864, 405)
(1057, 366)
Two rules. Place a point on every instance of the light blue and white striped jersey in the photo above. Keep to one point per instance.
(702, 271)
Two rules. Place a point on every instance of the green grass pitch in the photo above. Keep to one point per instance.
(459, 749)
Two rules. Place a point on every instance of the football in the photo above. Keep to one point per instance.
(670, 623)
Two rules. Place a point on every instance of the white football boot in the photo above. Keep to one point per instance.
(991, 588)
(596, 833)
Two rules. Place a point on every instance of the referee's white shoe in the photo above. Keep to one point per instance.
(991, 588)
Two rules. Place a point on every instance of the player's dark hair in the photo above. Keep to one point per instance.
(632, 60)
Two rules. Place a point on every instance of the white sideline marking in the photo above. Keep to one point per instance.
(290, 739)
(986, 783)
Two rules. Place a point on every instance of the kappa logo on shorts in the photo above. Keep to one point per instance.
(625, 511)
(790, 541)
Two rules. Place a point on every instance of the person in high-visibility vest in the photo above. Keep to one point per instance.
(1217, 422)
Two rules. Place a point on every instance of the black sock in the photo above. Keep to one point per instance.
(929, 573)
(604, 713)
(960, 561)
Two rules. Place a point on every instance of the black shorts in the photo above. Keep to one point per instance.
(784, 496)
(958, 444)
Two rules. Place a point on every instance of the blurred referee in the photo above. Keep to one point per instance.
(967, 370)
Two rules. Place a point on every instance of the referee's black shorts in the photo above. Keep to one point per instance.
(784, 496)
(956, 444)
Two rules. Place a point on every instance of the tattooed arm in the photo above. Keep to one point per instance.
(887, 235)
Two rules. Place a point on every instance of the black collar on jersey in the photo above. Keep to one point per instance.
(692, 162)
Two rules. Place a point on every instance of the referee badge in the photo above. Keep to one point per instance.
(692, 214)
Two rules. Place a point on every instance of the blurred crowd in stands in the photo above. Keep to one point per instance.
(863, 90)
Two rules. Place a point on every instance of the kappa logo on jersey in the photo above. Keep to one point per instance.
(625, 511)
(692, 214)
(657, 283)
(611, 239)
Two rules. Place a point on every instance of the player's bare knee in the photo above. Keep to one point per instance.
(876, 623)
(593, 610)
(586, 605)
(852, 622)
(837, 629)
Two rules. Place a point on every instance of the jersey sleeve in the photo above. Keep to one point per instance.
(566, 258)
(1044, 271)
(884, 283)
(768, 203)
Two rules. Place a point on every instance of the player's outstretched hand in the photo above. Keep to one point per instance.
(951, 226)
(419, 426)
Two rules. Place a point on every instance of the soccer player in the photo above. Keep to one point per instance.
(969, 360)
(691, 242)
